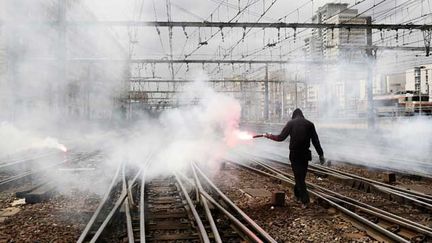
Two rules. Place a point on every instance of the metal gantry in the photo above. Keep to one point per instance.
(62, 24)
(260, 25)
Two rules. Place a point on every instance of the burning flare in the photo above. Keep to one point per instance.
(62, 147)
(244, 135)
(49, 143)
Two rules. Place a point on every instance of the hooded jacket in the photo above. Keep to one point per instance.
(301, 131)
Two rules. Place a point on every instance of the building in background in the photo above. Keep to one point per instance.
(418, 79)
(339, 82)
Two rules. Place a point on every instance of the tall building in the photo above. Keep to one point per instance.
(336, 44)
(342, 69)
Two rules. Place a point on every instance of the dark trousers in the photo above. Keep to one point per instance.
(299, 167)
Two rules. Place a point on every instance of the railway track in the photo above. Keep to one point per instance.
(401, 195)
(380, 224)
(35, 175)
(168, 213)
(8, 163)
(172, 208)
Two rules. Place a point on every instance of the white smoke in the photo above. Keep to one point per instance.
(201, 132)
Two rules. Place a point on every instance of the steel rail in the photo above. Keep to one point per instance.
(383, 214)
(233, 219)
(5, 182)
(378, 230)
(129, 221)
(204, 202)
(142, 198)
(417, 198)
(24, 160)
(203, 233)
(119, 202)
(364, 207)
(415, 201)
(243, 228)
(126, 205)
(100, 206)
(252, 223)
(410, 192)
(117, 205)
(423, 199)
(141, 208)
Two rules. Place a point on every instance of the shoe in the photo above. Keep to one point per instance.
(304, 206)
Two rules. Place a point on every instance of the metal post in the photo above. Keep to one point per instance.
(12, 53)
(427, 81)
(61, 51)
(283, 101)
(369, 85)
(266, 94)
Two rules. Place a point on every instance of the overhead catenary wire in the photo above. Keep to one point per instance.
(218, 31)
(258, 50)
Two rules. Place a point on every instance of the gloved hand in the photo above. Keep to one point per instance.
(267, 135)
(322, 159)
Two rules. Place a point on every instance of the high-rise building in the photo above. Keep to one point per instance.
(342, 58)
(336, 44)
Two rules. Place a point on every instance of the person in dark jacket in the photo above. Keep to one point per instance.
(302, 132)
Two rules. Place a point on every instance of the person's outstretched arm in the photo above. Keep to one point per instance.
(282, 136)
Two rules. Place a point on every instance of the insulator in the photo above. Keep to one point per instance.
(184, 32)
(211, 28)
(278, 34)
(222, 34)
(397, 36)
(348, 37)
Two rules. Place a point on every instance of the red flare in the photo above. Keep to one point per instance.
(244, 135)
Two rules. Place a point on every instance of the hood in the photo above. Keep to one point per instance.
(297, 113)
